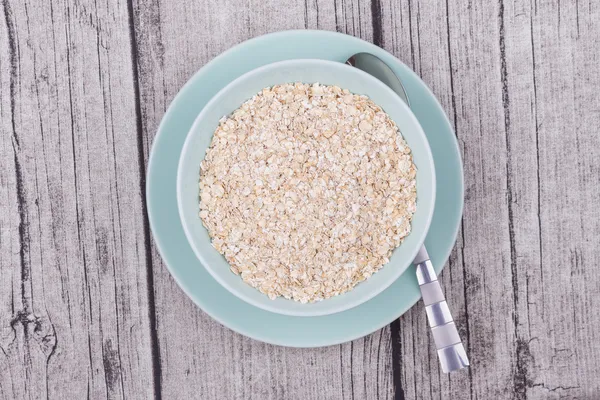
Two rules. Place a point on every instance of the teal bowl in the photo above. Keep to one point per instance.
(308, 71)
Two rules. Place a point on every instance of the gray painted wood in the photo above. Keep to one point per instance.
(88, 309)
(74, 298)
(516, 78)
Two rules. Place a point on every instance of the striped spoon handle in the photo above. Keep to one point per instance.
(450, 349)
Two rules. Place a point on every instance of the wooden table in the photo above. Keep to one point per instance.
(87, 307)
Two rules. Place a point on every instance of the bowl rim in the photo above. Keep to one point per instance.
(269, 307)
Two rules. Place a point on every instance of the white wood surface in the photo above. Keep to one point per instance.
(88, 309)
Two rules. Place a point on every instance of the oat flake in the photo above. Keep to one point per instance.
(306, 190)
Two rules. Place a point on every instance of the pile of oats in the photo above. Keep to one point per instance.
(306, 190)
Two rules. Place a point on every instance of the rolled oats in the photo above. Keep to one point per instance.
(306, 190)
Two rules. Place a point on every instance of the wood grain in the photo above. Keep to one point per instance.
(562, 357)
(74, 310)
(87, 308)
(520, 303)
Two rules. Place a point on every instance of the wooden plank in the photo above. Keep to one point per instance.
(74, 317)
(476, 69)
(417, 33)
(518, 76)
(223, 364)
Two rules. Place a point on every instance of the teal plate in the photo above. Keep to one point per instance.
(187, 270)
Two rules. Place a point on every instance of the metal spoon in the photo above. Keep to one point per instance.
(450, 349)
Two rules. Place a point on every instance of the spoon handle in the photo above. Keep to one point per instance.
(450, 349)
